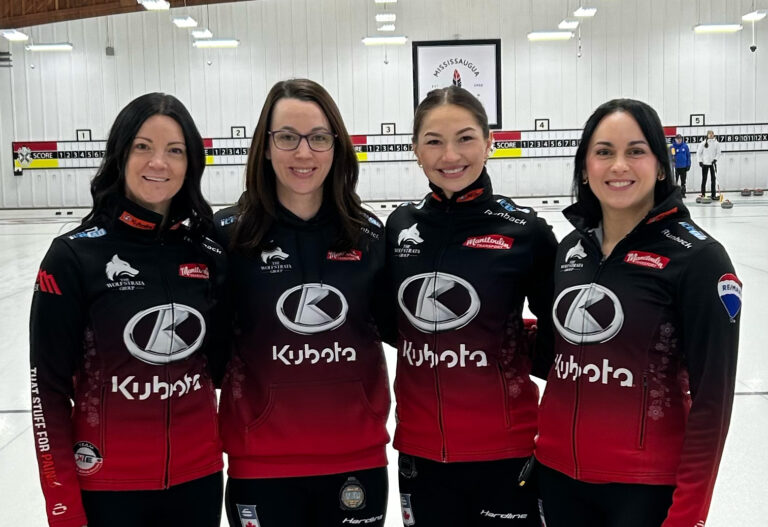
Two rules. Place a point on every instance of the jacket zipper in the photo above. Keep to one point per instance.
(166, 286)
(441, 420)
(643, 407)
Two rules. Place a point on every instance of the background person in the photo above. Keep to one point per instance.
(708, 153)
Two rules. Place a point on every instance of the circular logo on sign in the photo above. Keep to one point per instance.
(435, 302)
(312, 308)
(87, 458)
(587, 314)
(164, 334)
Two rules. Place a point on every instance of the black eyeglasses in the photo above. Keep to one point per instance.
(287, 140)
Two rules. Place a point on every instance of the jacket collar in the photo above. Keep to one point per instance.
(671, 207)
(478, 192)
(133, 219)
(323, 217)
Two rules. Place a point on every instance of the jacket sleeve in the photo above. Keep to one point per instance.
(540, 295)
(56, 346)
(687, 156)
(386, 294)
(218, 346)
(709, 299)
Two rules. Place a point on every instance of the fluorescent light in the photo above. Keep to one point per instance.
(718, 28)
(61, 46)
(383, 41)
(14, 36)
(386, 17)
(754, 16)
(585, 11)
(568, 24)
(386, 27)
(184, 21)
(202, 33)
(537, 36)
(216, 43)
(155, 5)
(385, 1)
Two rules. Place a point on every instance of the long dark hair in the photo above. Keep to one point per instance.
(650, 124)
(109, 183)
(450, 95)
(258, 204)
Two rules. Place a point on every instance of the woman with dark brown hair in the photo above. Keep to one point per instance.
(305, 398)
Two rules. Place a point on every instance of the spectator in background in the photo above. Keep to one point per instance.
(707, 153)
(681, 156)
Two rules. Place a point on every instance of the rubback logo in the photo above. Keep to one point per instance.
(194, 270)
(587, 314)
(312, 308)
(165, 333)
(46, 283)
(508, 217)
(489, 241)
(644, 259)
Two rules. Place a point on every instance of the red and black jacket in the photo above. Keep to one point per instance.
(461, 269)
(635, 331)
(306, 391)
(122, 398)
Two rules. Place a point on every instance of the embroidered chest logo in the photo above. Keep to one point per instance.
(407, 241)
(120, 275)
(194, 270)
(489, 241)
(164, 334)
(587, 314)
(273, 260)
(349, 256)
(645, 259)
(573, 258)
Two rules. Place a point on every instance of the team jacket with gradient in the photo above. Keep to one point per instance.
(461, 269)
(306, 391)
(633, 332)
(124, 309)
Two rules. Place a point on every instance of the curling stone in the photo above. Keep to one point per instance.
(727, 204)
(706, 200)
(698, 199)
(746, 192)
(757, 192)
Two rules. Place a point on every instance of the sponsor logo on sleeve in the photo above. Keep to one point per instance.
(729, 289)
(46, 283)
(645, 259)
(247, 515)
(506, 205)
(696, 233)
(88, 461)
(489, 241)
(129, 219)
(510, 218)
(93, 232)
(229, 220)
(349, 256)
(194, 270)
(678, 239)
(373, 220)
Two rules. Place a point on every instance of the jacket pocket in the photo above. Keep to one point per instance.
(505, 397)
(322, 419)
(643, 415)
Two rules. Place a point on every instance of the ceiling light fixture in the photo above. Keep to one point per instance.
(14, 35)
(58, 46)
(755, 16)
(184, 21)
(155, 5)
(568, 24)
(718, 28)
(585, 11)
(539, 36)
(386, 17)
(386, 27)
(216, 43)
(202, 33)
(383, 41)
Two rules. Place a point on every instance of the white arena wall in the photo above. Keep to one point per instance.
(643, 49)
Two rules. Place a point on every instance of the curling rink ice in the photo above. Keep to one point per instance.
(740, 494)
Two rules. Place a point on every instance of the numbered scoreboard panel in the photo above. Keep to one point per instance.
(378, 148)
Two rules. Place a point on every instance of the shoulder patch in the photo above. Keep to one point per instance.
(227, 220)
(729, 290)
(93, 232)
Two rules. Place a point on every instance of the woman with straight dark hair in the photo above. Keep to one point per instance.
(462, 263)
(305, 398)
(123, 316)
(637, 406)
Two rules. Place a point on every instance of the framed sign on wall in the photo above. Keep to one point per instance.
(474, 65)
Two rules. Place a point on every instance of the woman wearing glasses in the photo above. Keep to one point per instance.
(305, 398)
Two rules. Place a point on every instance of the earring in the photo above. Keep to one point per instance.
(661, 176)
(419, 163)
(584, 179)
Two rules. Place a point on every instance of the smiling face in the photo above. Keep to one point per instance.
(157, 164)
(621, 168)
(451, 148)
(301, 172)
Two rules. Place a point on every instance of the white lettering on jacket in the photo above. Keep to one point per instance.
(424, 355)
(291, 357)
(594, 373)
(131, 389)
